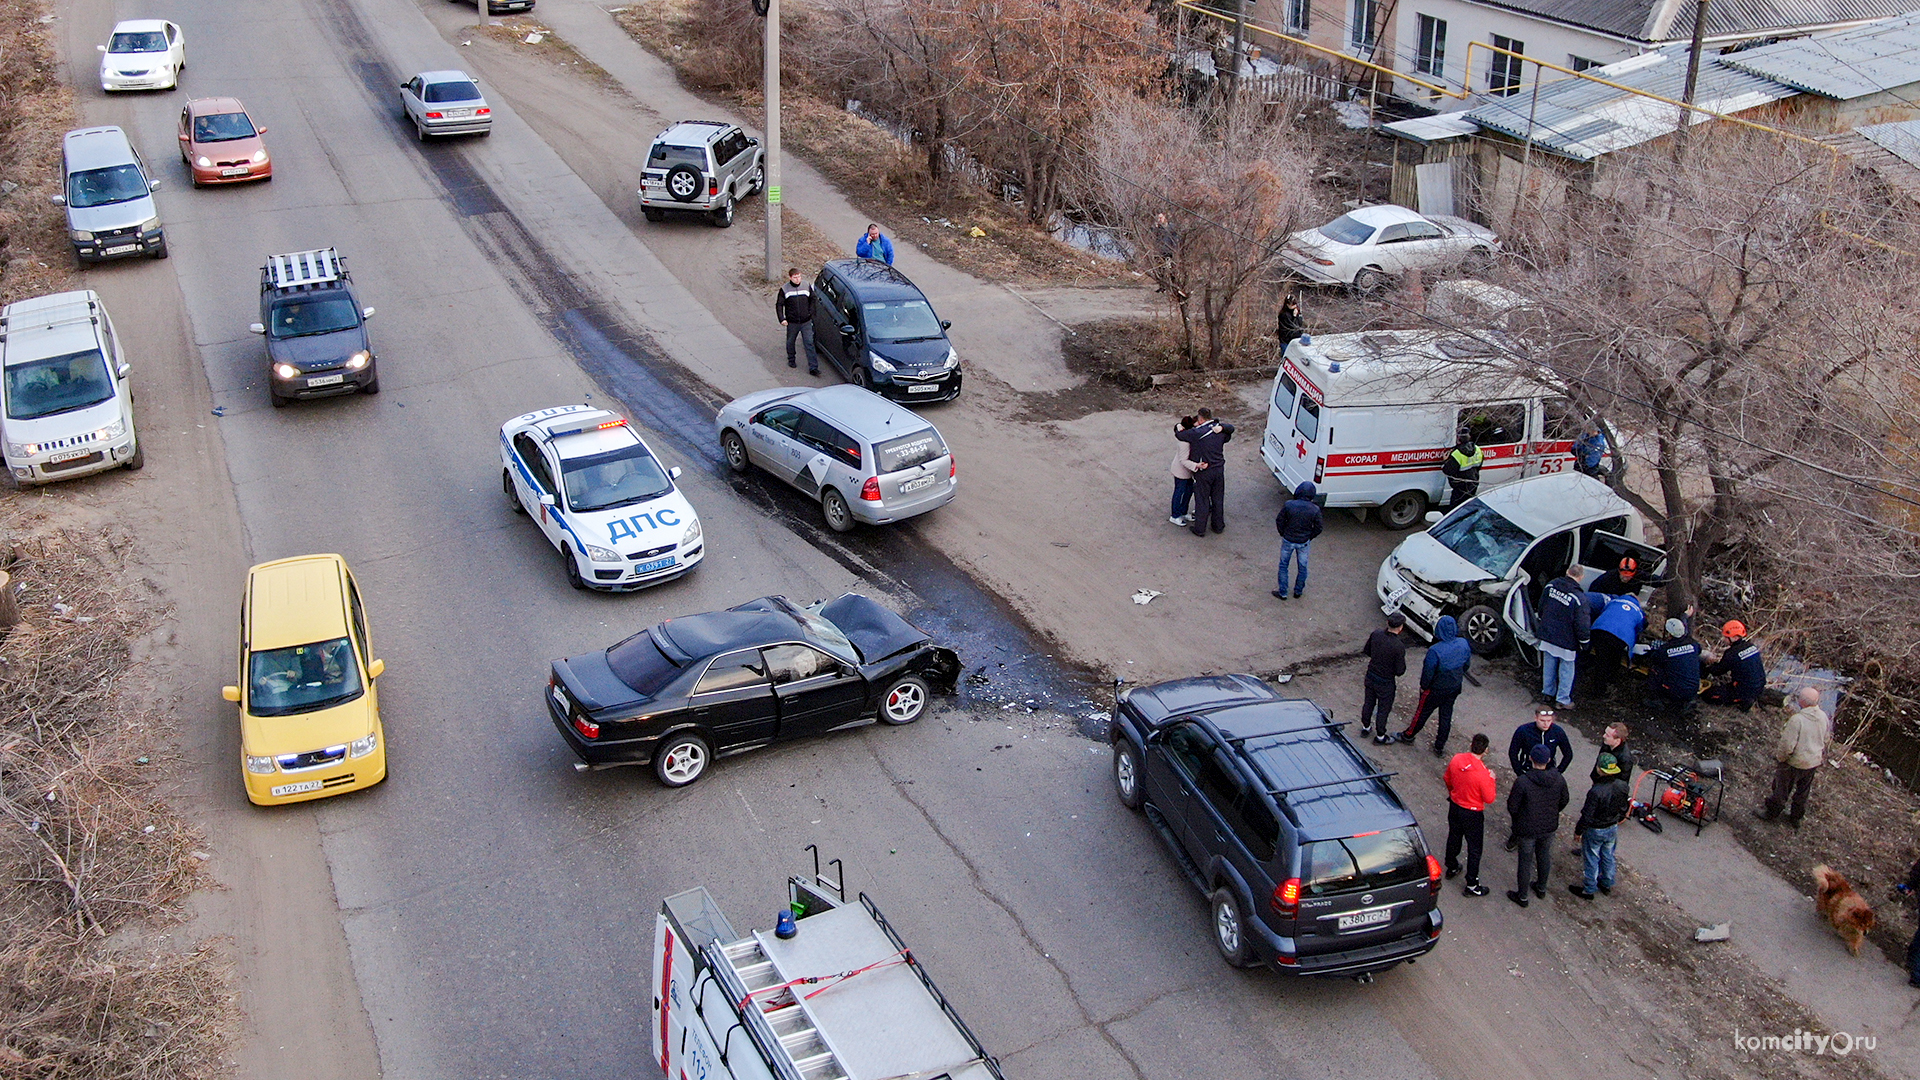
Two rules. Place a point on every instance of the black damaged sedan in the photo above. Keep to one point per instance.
(691, 689)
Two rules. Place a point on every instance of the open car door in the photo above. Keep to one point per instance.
(1605, 550)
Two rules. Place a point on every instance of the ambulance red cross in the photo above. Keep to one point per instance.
(600, 496)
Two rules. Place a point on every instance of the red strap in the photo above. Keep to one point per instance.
(832, 981)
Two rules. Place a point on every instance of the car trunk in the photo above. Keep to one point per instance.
(1347, 883)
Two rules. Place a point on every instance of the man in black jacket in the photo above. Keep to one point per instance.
(1740, 665)
(1299, 521)
(1543, 730)
(794, 305)
(1534, 804)
(1599, 826)
(1565, 628)
(1207, 441)
(1386, 653)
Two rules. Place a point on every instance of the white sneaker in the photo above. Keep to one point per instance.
(1176, 521)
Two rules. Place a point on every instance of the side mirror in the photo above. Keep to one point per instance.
(945, 325)
(403, 86)
(153, 185)
(674, 472)
(256, 328)
(230, 693)
(376, 669)
(546, 500)
(57, 200)
(103, 48)
(260, 130)
(1433, 517)
(125, 370)
(183, 137)
(366, 313)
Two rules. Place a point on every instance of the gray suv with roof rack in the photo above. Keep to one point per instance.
(701, 167)
(1310, 862)
(316, 330)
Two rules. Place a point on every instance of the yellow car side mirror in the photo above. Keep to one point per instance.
(374, 669)
(231, 693)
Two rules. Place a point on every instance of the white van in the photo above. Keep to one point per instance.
(1368, 417)
(66, 404)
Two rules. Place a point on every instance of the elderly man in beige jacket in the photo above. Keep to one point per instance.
(1802, 747)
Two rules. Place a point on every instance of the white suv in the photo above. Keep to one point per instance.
(703, 167)
(68, 405)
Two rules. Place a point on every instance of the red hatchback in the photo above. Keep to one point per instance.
(220, 143)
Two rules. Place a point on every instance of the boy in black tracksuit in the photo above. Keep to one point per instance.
(794, 305)
(1386, 653)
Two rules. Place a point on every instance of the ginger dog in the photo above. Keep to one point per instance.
(1841, 905)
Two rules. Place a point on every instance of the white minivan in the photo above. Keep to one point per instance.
(1368, 417)
(66, 405)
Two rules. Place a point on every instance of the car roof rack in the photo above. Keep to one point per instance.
(1281, 793)
(46, 318)
(317, 267)
(1326, 724)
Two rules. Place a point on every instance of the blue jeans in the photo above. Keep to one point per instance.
(1596, 847)
(1556, 677)
(1287, 551)
(1182, 496)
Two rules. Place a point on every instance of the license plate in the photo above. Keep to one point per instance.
(1398, 593)
(917, 483)
(314, 785)
(459, 114)
(326, 380)
(559, 698)
(119, 249)
(1365, 918)
(240, 171)
(925, 388)
(652, 565)
(68, 455)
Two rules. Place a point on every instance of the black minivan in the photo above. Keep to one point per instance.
(1310, 861)
(878, 328)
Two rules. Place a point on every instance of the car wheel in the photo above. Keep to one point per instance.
(1369, 281)
(139, 459)
(759, 182)
(861, 378)
(513, 497)
(1403, 510)
(371, 386)
(682, 759)
(683, 182)
(1126, 774)
(905, 700)
(278, 401)
(735, 450)
(1484, 630)
(572, 567)
(161, 251)
(652, 214)
(722, 216)
(833, 506)
(420, 129)
(1230, 929)
(486, 133)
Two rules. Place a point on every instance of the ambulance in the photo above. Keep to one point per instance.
(1368, 417)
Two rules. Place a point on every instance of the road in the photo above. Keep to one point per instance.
(486, 911)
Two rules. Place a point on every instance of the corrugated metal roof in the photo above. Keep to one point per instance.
(1850, 64)
(1432, 129)
(1902, 140)
(1581, 119)
(1659, 21)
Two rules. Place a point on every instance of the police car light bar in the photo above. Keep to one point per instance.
(596, 421)
(303, 268)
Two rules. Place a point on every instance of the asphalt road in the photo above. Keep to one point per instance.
(490, 909)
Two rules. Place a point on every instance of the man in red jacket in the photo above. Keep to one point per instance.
(1470, 787)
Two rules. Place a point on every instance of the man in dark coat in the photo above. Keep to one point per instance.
(1386, 653)
(1299, 521)
(1599, 826)
(1565, 628)
(1207, 443)
(1543, 730)
(1461, 467)
(1674, 685)
(794, 304)
(1534, 804)
(1741, 669)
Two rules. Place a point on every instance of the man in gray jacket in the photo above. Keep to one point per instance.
(1801, 749)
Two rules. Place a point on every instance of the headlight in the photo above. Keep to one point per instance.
(203, 161)
(953, 360)
(358, 360)
(693, 533)
(286, 371)
(600, 554)
(111, 431)
(363, 747)
(81, 234)
(152, 224)
(261, 765)
(259, 157)
(22, 449)
(877, 362)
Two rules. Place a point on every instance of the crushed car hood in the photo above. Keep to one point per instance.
(1433, 562)
(875, 631)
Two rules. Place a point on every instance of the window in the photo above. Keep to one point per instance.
(732, 672)
(301, 679)
(57, 384)
(1430, 55)
(359, 617)
(784, 419)
(103, 187)
(1307, 424)
(1361, 19)
(1495, 425)
(1581, 63)
(1188, 746)
(137, 41)
(222, 127)
(1284, 391)
(794, 663)
(1559, 421)
(901, 320)
(640, 664)
(907, 451)
(1503, 71)
(1298, 12)
(1375, 861)
(1345, 230)
(1424, 230)
(829, 440)
(458, 90)
(1393, 234)
(535, 461)
(665, 157)
(326, 315)
(1481, 535)
(615, 478)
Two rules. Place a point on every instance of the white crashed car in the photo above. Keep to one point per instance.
(600, 496)
(1369, 246)
(143, 54)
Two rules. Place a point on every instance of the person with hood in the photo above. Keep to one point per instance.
(1565, 628)
(1741, 669)
(1599, 826)
(1590, 451)
(1461, 467)
(1534, 804)
(1206, 446)
(1470, 787)
(1616, 623)
(1386, 653)
(1299, 521)
(1292, 324)
(1441, 677)
(1674, 684)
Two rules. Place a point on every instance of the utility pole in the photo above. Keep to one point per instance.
(1693, 77)
(771, 162)
(1233, 80)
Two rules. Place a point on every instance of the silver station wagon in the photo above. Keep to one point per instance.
(863, 457)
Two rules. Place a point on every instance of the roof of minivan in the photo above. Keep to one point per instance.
(1542, 504)
(96, 148)
(871, 279)
(1410, 367)
(862, 412)
(296, 601)
(43, 326)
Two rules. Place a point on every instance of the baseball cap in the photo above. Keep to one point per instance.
(1541, 754)
(1608, 765)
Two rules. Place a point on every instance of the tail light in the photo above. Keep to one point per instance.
(870, 491)
(587, 728)
(483, 112)
(1323, 262)
(1434, 874)
(953, 467)
(1286, 898)
(1320, 469)
(435, 116)
(713, 186)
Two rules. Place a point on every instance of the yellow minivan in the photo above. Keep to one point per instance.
(309, 710)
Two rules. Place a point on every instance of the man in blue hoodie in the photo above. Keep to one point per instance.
(1565, 627)
(1440, 679)
(1299, 522)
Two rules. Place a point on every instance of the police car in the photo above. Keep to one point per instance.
(601, 497)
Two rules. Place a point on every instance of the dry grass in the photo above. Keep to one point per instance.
(36, 108)
(551, 48)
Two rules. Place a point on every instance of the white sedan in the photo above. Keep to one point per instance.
(143, 54)
(600, 497)
(1369, 246)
